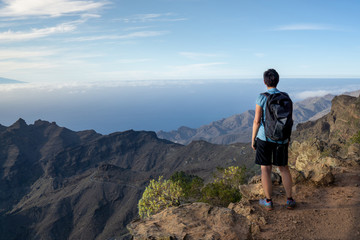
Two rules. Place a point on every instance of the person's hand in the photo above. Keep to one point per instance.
(253, 144)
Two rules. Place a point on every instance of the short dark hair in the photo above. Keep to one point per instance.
(271, 78)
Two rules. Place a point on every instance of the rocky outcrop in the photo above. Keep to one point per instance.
(192, 221)
(325, 144)
(307, 164)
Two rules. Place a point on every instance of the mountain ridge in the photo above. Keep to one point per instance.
(238, 128)
(59, 184)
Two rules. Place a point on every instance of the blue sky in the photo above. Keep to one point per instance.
(158, 64)
(130, 40)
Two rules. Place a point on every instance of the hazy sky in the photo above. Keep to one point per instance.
(67, 41)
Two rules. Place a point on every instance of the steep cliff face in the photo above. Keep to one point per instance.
(333, 134)
(25, 149)
(60, 184)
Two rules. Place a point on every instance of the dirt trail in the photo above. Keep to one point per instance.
(331, 212)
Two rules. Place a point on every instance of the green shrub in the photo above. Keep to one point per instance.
(356, 138)
(159, 195)
(190, 184)
(162, 194)
(225, 188)
(220, 194)
(233, 176)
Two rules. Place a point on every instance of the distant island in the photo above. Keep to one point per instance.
(9, 81)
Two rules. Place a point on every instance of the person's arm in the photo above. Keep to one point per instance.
(256, 125)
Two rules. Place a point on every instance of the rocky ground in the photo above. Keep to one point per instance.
(327, 212)
(322, 213)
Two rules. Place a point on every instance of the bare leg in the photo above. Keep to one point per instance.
(266, 180)
(286, 179)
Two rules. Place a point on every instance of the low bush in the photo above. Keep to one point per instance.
(190, 184)
(220, 194)
(356, 138)
(233, 176)
(159, 195)
(162, 193)
(225, 188)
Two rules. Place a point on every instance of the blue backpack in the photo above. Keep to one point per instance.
(278, 115)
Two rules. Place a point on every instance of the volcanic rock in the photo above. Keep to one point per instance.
(192, 221)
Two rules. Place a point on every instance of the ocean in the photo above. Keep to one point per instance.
(152, 106)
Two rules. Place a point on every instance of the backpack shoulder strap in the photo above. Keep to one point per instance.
(266, 94)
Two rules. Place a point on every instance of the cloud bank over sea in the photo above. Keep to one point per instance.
(109, 106)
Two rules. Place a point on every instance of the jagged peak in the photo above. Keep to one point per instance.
(40, 122)
(342, 99)
(20, 123)
(185, 128)
(346, 104)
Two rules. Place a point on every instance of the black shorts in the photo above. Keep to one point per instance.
(269, 153)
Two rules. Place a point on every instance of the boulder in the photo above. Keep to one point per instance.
(255, 179)
(275, 179)
(246, 209)
(321, 175)
(252, 191)
(296, 176)
(332, 162)
(354, 151)
(308, 164)
(243, 208)
(192, 221)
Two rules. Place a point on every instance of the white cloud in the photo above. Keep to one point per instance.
(151, 17)
(302, 27)
(9, 66)
(137, 28)
(308, 94)
(90, 15)
(198, 70)
(22, 54)
(133, 60)
(47, 8)
(71, 87)
(259, 55)
(197, 55)
(197, 66)
(321, 93)
(141, 34)
(36, 33)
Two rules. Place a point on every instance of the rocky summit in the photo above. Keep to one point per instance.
(325, 167)
(59, 184)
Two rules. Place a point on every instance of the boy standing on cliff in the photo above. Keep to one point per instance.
(271, 137)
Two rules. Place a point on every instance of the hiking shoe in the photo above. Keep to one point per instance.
(290, 204)
(267, 205)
